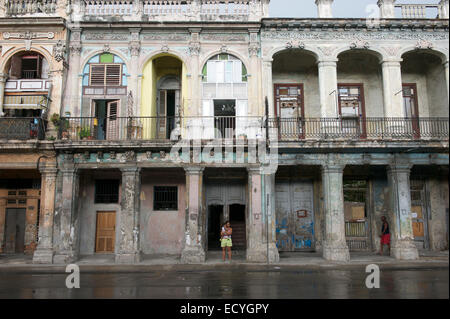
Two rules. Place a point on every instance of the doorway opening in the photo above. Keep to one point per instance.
(237, 221)
(15, 230)
(106, 126)
(215, 221)
(106, 232)
(166, 114)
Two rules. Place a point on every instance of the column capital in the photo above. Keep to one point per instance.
(130, 170)
(48, 169)
(391, 62)
(194, 170)
(324, 62)
(399, 168)
(3, 77)
(255, 170)
(333, 168)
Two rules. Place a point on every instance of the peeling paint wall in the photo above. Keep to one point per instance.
(162, 232)
(437, 223)
(381, 199)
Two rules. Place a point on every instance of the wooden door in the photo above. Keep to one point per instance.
(106, 230)
(162, 114)
(112, 127)
(352, 110)
(411, 107)
(289, 110)
(15, 230)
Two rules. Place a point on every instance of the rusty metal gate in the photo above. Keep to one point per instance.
(419, 213)
(355, 212)
(294, 216)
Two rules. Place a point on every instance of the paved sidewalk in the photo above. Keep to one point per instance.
(214, 261)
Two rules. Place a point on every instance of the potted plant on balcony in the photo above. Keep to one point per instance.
(61, 124)
(85, 133)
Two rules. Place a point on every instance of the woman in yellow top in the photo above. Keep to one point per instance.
(225, 239)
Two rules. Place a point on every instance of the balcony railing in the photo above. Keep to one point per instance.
(286, 129)
(30, 7)
(172, 10)
(294, 129)
(22, 128)
(421, 11)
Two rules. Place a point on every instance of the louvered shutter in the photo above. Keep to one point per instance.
(113, 74)
(112, 129)
(98, 75)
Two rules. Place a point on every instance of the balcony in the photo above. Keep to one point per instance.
(332, 129)
(30, 7)
(22, 128)
(421, 11)
(246, 128)
(169, 10)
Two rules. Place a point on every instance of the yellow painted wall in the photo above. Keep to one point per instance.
(151, 75)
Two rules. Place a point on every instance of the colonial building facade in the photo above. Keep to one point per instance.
(135, 128)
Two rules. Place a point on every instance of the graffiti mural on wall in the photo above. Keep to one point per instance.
(290, 240)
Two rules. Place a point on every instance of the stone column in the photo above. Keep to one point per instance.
(44, 251)
(128, 250)
(392, 88)
(402, 244)
(135, 50)
(195, 105)
(256, 228)
(69, 221)
(328, 88)
(387, 9)
(3, 78)
(446, 80)
(269, 215)
(324, 8)
(75, 52)
(335, 246)
(193, 251)
(444, 9)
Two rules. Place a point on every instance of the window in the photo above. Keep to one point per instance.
(104, 70)
(224, 68)
(106, 74)
(165, 198)
(106, 191)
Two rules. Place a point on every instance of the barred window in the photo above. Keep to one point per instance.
(106, 191)
(165, 198)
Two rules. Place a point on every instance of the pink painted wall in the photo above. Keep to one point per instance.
(162, 232)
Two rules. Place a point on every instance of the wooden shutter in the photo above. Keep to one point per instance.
(112, 129)
(98, 74)
(106, 74)
(113, 74)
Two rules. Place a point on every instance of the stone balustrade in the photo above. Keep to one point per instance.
(30, 7)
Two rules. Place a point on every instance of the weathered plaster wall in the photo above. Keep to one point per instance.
(294, 67)
(162, 232)
(438, 223)
(359, 67)
(380, 195)
(437, 91)
(88, 213)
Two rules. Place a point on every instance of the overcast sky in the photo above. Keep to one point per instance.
(341, 8)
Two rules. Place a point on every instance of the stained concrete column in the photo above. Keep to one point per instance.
(328, 88)
(74, 71)
(446, 79)
(392, 88)
(135, 50)
(3, 78)
(335, 246)
(44, 251)
(128, 250)
(193, 251)
(402, 246)
(324, 8)
(260, 231)
(269, 215)
(69, 221)
(387, 9)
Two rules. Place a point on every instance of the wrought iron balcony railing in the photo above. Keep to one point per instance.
(283, 129)
(294, 129)
(22, 128)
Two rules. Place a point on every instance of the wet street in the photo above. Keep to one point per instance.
(270, 283)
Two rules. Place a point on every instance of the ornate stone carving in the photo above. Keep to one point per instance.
(295, 44)
(59, 51)
(224, 48)
(391, 51)
(28, 35)
(112, 155)
(75, 48)
(224, 37)
(148, 154)
(134, 48)
(162, 154)
(106, 48)
(423, 44)
(359, 44)
(327, 51)
(165, 48)
(166, 37)
(130, 156)
(194, 48)
(253, 49)
(106, 36)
